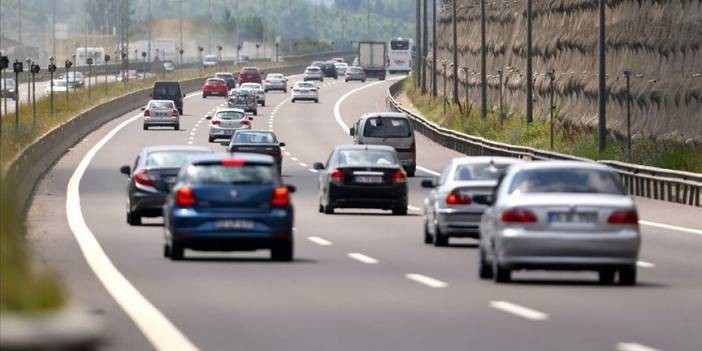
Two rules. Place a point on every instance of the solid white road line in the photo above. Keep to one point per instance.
(520, 311)
(631, 346)
(671, 227)
(429, 171)
(294, 158)
(644, 264)
(337, 106)
(314, 170)
(319, 241)
(160, 331)
(303, 164)
(362, 258)
(428, 281)
(413, 208)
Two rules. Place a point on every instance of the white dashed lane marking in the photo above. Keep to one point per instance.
(518, 310)
(425, 280)
(363, 258)
(319, 241)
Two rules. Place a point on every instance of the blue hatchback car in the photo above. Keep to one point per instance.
(229, 202)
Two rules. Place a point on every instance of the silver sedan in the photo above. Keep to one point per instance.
(258, 90)
(449, 209)
(560, 215)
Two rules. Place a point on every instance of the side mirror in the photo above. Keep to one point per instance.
(125, 170)
(143, 108)
(208, 117)
(251, 118)
(183, 94)
(428, 184)
(281, 144)
(487, 200)
(291, 188)
(318, 166)
(352, 131)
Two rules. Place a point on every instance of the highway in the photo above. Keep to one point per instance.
(360, 279)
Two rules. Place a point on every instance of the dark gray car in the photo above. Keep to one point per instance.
(244, 99)
(391, 129)
(152, 176)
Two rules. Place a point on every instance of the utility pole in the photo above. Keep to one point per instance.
(53, 29)
(19, 31)
(417, 45)
(180, 30)
(602, 100)
(455, 56)
(209, 27)
(425, 46)
(434, 88)
(263, 24)
(148, 28)
(483, 63)
(530, 70)
(368, 19)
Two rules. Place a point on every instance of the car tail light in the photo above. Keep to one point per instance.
(623, 217)
(337, 176)
(174, 113)
(143, 177)
(231, 162)
(216, 122)
(246, 122)
(281, 197)
(185, 197)
(413, 147)
(147, 113)
(519, 215)
(399, 177)
(456, 198)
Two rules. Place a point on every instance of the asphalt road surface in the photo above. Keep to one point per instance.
(361, 280)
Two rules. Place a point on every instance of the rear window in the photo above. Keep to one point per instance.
(387, 127)
(219, 174)
(355, 70)
(367, 157)
(562, 180)
(255, 138)
(170, 159)
(305, 85)
(230, 115)
(486, 171)
(10, 82)
(250, 70)
(215, 81)
(313, 69)
(399, 45)
(225, 76)
(166, 89)
(275, 76)
(161, 105)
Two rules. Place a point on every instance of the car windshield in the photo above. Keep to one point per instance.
(480, 171)
(210, 58)
(275, 76)
(387, 127)
(366, 157)
(170, 159)
(219, 174)
(166, 90)
(161, 105)
(355, 70)
(255, 138)
(251, 86)
(230, 115)
(566, 180)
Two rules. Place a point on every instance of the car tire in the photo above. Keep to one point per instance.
(328, 209)
(346, 80)
(176, 127)
(177, 251)
(363, 80)
(133, 218)
(411, 171)
(166, 251)
(285, 91)
(263, 104)
(146, 127)
(282, 253)
(180, 111)
(627, 276)
(484, 270)
(606, 276)
(211, 139)
(204, 96)
(321, 208)
(501, 274)
(440, 240)
(428, 239)
(316, 101)
(399, 211)
(293, 101)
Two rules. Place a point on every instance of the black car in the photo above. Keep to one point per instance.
(329, 70)
(362, 176)
(155, 171)
(257, 142)
(228, 78)
(169, 90)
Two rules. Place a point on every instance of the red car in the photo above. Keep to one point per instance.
(214, 86)
(250, 75)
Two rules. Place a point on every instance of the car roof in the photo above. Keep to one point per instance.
(166, 82)
(247, 157)
(254, 131)
(558, 164)
(364, 147)
(465, 160)
(155, 100)
(312, 67)
(229, 109)
(161, 148)
(224, 74)
(385, 114)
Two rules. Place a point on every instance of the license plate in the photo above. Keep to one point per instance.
(368, 180)
(572, 217)
(162, 114)
(234, 224)
(169, 179)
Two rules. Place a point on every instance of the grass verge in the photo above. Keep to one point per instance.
(568, 139)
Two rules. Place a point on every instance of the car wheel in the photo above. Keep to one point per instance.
(316, 101)
(204, 96)
(485, 271)
(211, 139)
(263, 104)
(346, 80)
(146, 127)
(328, 209)
(500, 274)
(177, 251)
(606, 276)
(176, 127)
(166, 251)
(283, 253)
(627, 276)
(293, 101)
(428, 239)
(133, 218)
(399, 211)
(255, 112)
(321, 208)
(411, 171)
(180, 111)
(363, 80)
(439, 239)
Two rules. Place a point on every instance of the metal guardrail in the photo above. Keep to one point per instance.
(650, 182)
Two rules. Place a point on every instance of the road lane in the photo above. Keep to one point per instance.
(324, 300)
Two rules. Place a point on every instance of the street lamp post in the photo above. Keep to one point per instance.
(17, 67)
(200, 49)
(259, 45)
(277, 45)
(465, 87)
(29, 62)
(67, 64)
(455, 55)
(238, 49)
(602, 96)
(529, 68)
(219, 49)
(107, 59)
(627, 74)
(143, 56)
(89, 61)
(34, 69)
(500, 74)
(551, 74)
(52, 69)
(443, 63)
(4, 63)
(180, 67)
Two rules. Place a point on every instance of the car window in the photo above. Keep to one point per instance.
(366, 157)
(386, 127)
(444, 175)
(168, 158)
(161, 105)
(255, 138)
(166, 90)
(230, 115)
(305, 85)
(215, 81)
(219, 174)
(10, 82)
(479, 171)
(563, 180)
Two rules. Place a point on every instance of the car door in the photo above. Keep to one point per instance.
(436, 195)
(324, 178)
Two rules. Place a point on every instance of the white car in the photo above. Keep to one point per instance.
(341, 68)
(276, 81)
(226, 121)
(60, 86)
(161, 113)
(258, 90)
(305, 91)
(209, 61)
(313, 73)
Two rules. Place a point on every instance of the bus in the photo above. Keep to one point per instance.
(400, 55)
